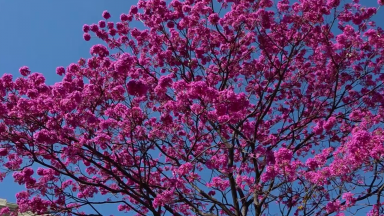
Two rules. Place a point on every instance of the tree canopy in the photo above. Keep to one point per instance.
(214, 107)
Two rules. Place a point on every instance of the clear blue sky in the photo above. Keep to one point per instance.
(45, 34)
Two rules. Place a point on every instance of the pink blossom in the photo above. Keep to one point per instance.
(94, 28)
(133, 10)
(73, 67)
(86, 36)
(86, 28)
(110, 25)
(123, 17)
(214, 18)
(24, 71)
(136, 87)
(185, 169)
(101, 24)
(329, 123)
(333, 206)
(100, 50)
(3, 152)
(333, 3)
(219, 183)
(348, 197)
(60, 70)
(5, 211)
(106, 15)
(170, 24)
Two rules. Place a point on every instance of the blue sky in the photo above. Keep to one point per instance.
(45, 34)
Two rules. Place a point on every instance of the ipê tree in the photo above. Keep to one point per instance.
(227, 107)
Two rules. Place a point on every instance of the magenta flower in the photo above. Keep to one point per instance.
(60, 70)
(24, 71)
(106, 15)
(86, 36)
(136, 87)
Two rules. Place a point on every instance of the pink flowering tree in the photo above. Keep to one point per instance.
(227, 107)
